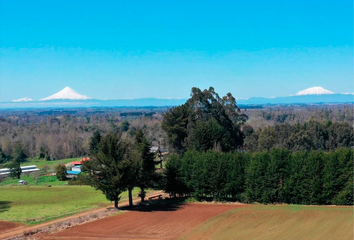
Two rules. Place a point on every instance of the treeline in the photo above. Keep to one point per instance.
(67, 136)
(312, 135)
(277, 176)
(205, 121)
(269, 115)
(137, 114)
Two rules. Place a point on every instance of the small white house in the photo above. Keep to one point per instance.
(76, 168)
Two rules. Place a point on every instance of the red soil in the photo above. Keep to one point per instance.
(158, 224)
(8, 226)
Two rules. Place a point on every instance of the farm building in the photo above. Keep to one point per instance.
(74, 171)
(76, 168)
(72, 174)
(4, 172)
(76, 163)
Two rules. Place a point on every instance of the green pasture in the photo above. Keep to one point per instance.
(40, 181)
(40, 163)
(36, 204)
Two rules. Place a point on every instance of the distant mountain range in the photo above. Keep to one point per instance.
(70, 98)
(300, 99)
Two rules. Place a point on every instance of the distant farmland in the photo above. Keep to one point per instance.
(41, 163)
(220, 222)
(278, 222)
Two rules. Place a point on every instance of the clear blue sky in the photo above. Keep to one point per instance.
(138, 49)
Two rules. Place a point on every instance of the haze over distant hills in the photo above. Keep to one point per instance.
(25, 99)
(70, 98)
(306, 96)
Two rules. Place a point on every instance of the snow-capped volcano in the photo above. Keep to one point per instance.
(314, 91)
(26, 99)
(66, 93)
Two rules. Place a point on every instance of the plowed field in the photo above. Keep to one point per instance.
(8, 226)
(217, 221)
(166, 224)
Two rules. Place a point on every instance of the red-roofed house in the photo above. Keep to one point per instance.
(75, 163)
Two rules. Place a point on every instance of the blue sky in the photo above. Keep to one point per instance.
(138, 49)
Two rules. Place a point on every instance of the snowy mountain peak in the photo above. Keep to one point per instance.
(313, 91)
(25, 99)
(66, 93)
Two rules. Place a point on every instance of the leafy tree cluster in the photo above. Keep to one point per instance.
(4, 157)
(59, 134)
(277, 176)
(206, 121)
(118, 165)
(65, 133)
(61, 172)
(268, 115)
(312, 135)
(18, 157)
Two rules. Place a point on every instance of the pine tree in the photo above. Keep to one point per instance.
(173, 183)
(106, 167)
(94, 142)
(147, 175)
(131, 169)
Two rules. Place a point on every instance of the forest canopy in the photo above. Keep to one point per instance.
(276, 176)
(206, 121)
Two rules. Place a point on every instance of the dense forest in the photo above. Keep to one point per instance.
(276, 176)
(312, 135)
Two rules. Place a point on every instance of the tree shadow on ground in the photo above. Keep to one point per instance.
(168, 204)
(4, 206)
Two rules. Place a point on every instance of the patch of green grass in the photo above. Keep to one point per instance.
(191, 200)
(41, 181)
(40, 163)
(36, 204)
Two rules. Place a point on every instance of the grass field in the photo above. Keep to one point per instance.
(41, 181)
(35, 204)
(40, 163)
(278, 222)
